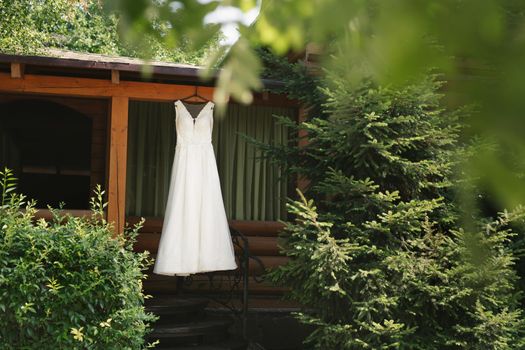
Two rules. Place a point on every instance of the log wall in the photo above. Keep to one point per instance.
(263, 244)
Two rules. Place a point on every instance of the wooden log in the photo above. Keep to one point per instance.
(264, 246)
(268, 263)
(257, 228)
(156, 284)
(246, 227)
(117, 162)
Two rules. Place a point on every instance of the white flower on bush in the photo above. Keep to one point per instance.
(105, 324)
(77, 333)
(42, 223)
(27, 307)
(53, 285)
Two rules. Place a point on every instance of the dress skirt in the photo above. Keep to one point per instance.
(195, 235)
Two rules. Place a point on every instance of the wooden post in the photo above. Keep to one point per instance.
(118, 139)
(302, 182)
(115, 76)
(17, 70)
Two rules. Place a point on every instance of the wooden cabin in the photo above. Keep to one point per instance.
(70, 121)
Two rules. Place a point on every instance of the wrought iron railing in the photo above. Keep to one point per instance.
(238, 280)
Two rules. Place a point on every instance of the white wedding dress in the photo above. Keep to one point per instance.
(195, 235)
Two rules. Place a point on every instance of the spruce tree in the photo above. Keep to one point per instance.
(378, 255)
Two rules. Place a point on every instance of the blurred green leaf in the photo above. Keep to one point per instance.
(479, 45)
(239, 75)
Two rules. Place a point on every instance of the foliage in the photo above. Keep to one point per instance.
(381, 262)
(68, 283)
(295, 81)
(478, 44)
(31, 26)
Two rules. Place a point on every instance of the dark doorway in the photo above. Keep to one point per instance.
(48, 145)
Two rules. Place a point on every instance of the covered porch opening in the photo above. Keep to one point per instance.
(55, 146)
(113, 90)
(133, 169)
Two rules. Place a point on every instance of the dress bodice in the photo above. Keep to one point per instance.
(191, 130)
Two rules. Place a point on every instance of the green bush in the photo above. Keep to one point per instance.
(30, 26)
(67, 283)
(383, 259)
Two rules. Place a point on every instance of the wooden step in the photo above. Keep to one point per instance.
(255, 304)
(175, 309)
(193, 333)
(172, 304)
(223, 345)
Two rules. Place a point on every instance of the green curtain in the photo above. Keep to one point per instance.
(151, 147)
(252, 188)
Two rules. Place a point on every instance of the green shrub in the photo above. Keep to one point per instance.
(30, 26)
(381, 261)
(68, 283)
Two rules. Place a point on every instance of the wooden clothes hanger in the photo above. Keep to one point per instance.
(194, 97)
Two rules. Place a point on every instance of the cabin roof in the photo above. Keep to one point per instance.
(71, 63)
(68, 58)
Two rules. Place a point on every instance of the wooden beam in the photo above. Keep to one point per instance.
(118, 139)
(17, 70)
(47, 215)
(87, 87)
(115, 76)
(103, 88)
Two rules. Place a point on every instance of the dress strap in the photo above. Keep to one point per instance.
(177, 109)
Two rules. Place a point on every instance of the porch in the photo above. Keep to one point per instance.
(106, 95)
